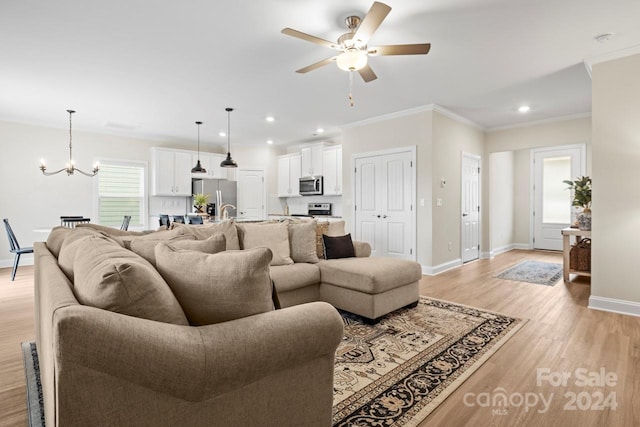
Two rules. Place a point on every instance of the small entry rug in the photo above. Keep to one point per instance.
(542, 273)
(398, 371)
(35, 404)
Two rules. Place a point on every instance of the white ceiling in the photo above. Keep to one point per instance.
(149, 69)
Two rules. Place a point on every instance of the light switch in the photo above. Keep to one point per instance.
(421, 202)
(438, 201)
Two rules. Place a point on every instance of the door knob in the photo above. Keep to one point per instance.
(465, 214)
(378, 216)
(384, 216)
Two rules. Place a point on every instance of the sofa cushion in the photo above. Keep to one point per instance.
(204, 231)
(146, 248)
(71, 245)
(220, 287)
(274, 236)
(338, 247)
(112, 231)
(113, 278)
(59, 234)
(369, 275)
(163, 235)
(299, 275)
(302, 241)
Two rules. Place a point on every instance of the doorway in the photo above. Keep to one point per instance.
(551, 199)
(251, 194)
(470, 207)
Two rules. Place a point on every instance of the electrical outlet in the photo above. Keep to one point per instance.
(439, 201)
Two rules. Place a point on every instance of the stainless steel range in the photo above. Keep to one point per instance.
(319, 209)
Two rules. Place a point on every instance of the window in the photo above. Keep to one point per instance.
(121, 191)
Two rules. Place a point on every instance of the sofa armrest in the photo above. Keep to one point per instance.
(193, 363)
(362, 249)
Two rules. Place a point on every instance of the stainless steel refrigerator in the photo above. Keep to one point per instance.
(220, 191)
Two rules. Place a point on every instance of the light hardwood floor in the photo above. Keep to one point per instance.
(562, 335)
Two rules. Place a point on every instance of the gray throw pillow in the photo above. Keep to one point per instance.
(302, 240)
(146, 248)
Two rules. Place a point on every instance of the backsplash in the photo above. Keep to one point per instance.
(298, 205)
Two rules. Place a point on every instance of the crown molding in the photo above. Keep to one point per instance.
(412, 111)
(540, 122)
(616, 54)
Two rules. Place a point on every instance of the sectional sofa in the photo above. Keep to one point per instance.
(179, 327)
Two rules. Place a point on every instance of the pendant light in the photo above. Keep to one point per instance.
(228, 162)
(198, 167)
(70, 167)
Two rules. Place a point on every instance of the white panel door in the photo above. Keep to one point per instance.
(251, 194)
(470, 235)
(383, 200)
(552, 201)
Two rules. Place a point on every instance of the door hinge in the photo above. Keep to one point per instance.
(411, 163)
(478, 170)
(355, 208)
(478, 208)
(355, 170)
(410, 251)
(263, 179)
(411, 207)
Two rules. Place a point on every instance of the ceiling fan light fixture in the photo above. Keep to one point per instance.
(352, 60)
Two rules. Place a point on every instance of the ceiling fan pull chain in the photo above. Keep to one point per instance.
(351, 88)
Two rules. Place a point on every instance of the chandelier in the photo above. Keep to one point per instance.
(70, 167)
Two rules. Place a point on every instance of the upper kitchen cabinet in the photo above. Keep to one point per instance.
(211, 162)
(289, 175)
(171, 172)
(332, 166)
(311, 160)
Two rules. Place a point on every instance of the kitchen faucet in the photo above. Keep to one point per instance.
(223, 210)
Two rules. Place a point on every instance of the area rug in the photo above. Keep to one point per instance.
(393, 373)
(35, 404)
(398, 371)
(542, 273)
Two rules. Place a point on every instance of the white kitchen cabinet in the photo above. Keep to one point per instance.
(289, 175)
(211, 162)
(332, 166)
(311, 160)
(171, 172)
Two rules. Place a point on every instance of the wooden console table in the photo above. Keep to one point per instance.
(566, 248)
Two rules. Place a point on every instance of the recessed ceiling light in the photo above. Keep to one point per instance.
(524, 108)
(269, 141)
(270, 119)
(319, 130)
(603, 38)
(222, 134)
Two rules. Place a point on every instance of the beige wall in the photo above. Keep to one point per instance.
(30, 200)
(616, 189)
(450, 139)
(521, 140)
(501, 177)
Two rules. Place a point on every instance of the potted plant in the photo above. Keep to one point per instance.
(582, 198)
(199, 201)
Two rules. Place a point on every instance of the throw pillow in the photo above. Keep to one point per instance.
(204, 231)
(336, 228)
(220, 287)
(321, 229)
(302, 240)
(274, 236)
(146, 248)
(110, 277)
(111, 231)
(71, 245)
(338, 247)
(163, 235)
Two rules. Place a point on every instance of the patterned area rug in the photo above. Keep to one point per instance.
(35, 403)
(542, 273)
(396, 372)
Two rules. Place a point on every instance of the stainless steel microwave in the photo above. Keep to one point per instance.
(311, 186)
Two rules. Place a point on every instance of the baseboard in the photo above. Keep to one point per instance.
(630, 308)
(24, 260)
(432, 271)
(502, 249)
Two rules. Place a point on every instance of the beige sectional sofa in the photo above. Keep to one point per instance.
(163, 329)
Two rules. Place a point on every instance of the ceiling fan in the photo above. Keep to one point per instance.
(353, 45)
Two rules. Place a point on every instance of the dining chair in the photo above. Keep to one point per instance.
(195, 219)
(164, 220)
(125, 223)
(14, 247)
(71, 221)
(178, 218)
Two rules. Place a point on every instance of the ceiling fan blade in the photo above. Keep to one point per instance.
(313, 39)
(371, 22)
(400, 49)
(367, 74)
(316, 65)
